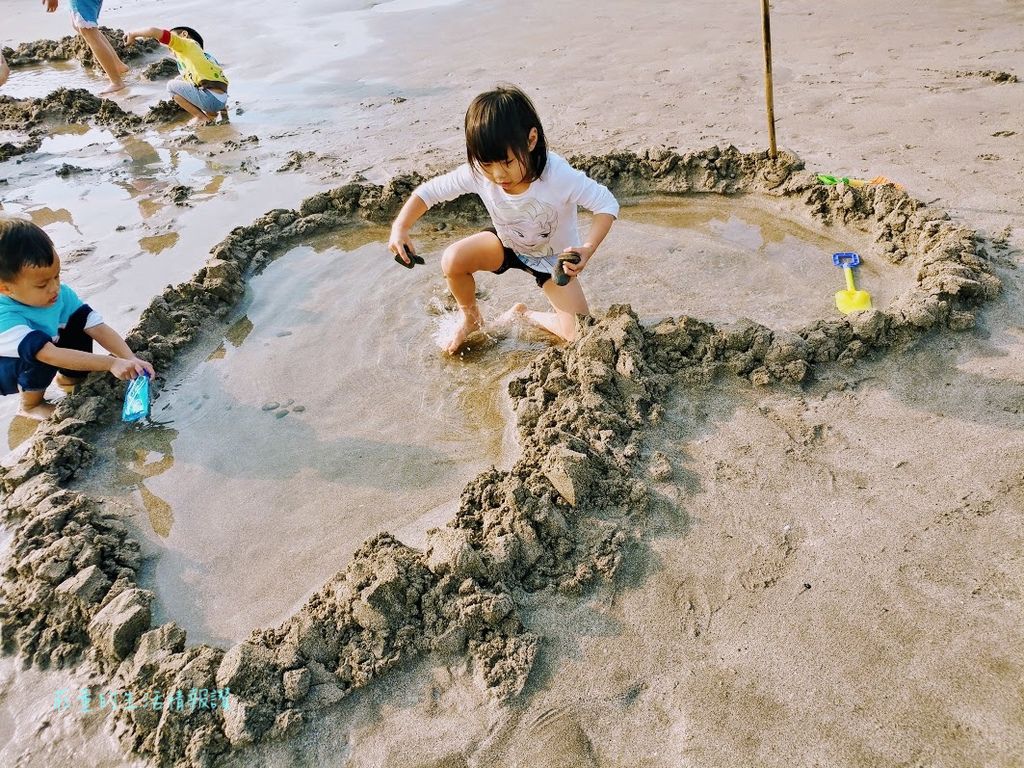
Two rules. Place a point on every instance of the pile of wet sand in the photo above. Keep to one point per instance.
(559, 520)
(75, 47)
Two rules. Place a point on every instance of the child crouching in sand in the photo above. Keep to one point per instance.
(45, 329)
(202, 90)
(531, 195)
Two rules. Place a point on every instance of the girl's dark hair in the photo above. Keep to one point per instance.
(22, 244)
(192, 34)
(500, 120)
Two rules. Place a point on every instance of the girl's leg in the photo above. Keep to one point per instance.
(482, 251)
(567, 301)
(106, 56)
(120, 66)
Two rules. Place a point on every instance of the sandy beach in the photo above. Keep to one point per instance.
(822, 568)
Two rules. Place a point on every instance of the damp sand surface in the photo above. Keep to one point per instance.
(903, 105)
(811, 554)
(58, 714)
(326, 412)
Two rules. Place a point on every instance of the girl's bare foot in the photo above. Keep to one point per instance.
(112, 88)
(471, 323)
(514, 314)
(40, 412)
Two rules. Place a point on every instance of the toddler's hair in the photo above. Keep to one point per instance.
(192, 34)
(500, 120)
(22, 244)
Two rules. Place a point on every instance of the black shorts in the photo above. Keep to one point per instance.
(511, 261)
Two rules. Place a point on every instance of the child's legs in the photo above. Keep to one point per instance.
(120, 67)
(85, 18)
(567, 301)
(112, 66)
(33, 379)
(476, 253)
(198, 102)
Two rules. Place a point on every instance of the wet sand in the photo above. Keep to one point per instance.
(309, 379)
(326, 465)
(907, 582)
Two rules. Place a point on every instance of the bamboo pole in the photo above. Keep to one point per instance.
(768, 95)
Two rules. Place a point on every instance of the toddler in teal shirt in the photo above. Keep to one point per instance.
(45, 329)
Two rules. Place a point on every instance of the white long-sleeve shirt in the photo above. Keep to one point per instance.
(537, 224)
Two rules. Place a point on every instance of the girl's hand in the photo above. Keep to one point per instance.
(573, 270)
(51, 5)
(399, 243)
(129, 38)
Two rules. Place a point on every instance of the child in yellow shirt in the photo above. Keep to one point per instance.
(202, 90)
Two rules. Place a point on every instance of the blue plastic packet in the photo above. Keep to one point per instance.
(136, 399)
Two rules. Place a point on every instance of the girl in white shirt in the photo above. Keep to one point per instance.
(531, 195)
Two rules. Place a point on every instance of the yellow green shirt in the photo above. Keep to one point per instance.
(196, 65)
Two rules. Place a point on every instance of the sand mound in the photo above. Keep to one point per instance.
(69, 106)
(75, 47)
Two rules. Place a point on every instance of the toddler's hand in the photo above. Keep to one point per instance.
(130, 369)
(129, 38)
(51, 5)
(144, 366)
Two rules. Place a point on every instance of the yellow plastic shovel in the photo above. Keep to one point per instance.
(850, 300)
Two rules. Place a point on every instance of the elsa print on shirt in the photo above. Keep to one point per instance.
(526, 228)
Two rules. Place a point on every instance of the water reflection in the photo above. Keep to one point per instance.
(143, 453)
(157, 243)
(45, 217)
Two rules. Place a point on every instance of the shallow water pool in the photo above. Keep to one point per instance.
(325, 411)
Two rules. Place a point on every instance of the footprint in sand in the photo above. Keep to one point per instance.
(553, 738)
(769, 562)
(694, 609)
(448, 761)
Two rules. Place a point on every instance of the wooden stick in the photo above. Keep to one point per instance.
(768, 96)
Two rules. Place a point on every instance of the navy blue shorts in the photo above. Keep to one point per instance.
(511, 261)
(25, 373)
